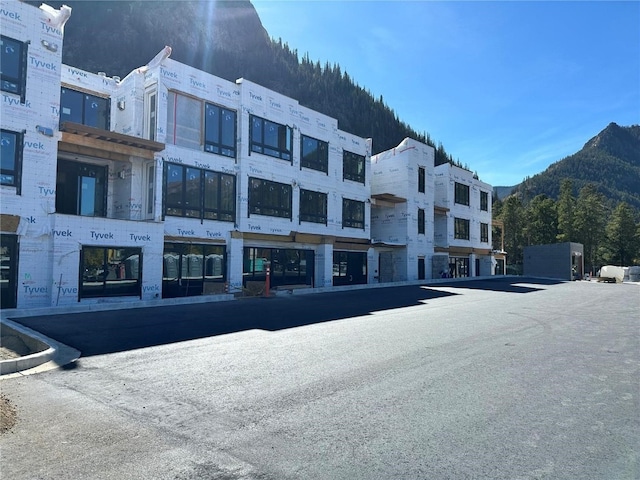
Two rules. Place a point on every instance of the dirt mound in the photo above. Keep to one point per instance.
(8, 414)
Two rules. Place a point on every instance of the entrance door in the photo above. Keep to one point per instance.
(385, 264)
(349, 268)
(9, 270)
(421, 268)
(459, 267)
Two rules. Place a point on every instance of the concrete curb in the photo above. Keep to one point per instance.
(51, 354)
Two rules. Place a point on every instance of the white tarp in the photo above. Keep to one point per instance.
(611, 271)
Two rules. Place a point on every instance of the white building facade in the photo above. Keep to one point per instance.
(172, 183)
(428, 222)
(168, 183)
(462, 224)
(402, 198)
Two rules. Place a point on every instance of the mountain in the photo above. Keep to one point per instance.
(502, 192)
(118, 36)
(610, 160)
(226, 39)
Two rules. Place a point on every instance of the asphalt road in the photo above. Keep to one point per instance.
(478, 380)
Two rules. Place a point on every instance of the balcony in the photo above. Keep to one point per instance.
(106, 174)
(95, 142)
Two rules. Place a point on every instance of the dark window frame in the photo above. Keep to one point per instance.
(85, 102)
(318, 158)
(353, 167)
(421, 221)
(484, 232)
(193, 269)
(198, 208)
(288, 266)
(484, 201)
(461, 194)
(259, 142)
(16, 156)
(422, 180)
(217, 144)
(9, 248)
(309, 201)
(70, 195)
(461, 228)
(113, 285)
(349, 268)
(272, 199)
(17, 84)
(352, 210)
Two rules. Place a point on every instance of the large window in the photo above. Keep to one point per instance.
(269, 198)
(353, 167)
(349, 268)
(352, 213)
(186, 127)
(184, 121)
(193, 269)
(83, 108)
(462, 194)
(314, 154)
(197, 193)
(271, 138)
(11, 158)
(13, 60)
(287, 266)
(219, 130)
(484, 201)
(421, 180)
(110, 271)
(484, 232)
(313, 206)
(81, 189)
(461, 228)
(459, 267)
(421, 221)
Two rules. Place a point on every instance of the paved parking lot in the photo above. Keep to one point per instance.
(519, 379)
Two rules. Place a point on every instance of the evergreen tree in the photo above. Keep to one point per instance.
(622, 244)
(566, 211)
(590, 224)
(542, 221)
(512, 216)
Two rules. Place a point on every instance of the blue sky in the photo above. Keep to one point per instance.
(507, 87)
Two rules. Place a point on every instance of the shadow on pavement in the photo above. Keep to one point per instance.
(97, 333)
(510, 285)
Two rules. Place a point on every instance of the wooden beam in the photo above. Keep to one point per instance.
(440, 210)
(98, 145)
(9, 223)
(112, 137)
(212, 241)
(91, 152)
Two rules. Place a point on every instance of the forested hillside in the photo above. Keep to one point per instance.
(227, 39)
(591, 197)
(610, 161)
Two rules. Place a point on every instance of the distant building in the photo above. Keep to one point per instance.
(428, 222)
(563, 261)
